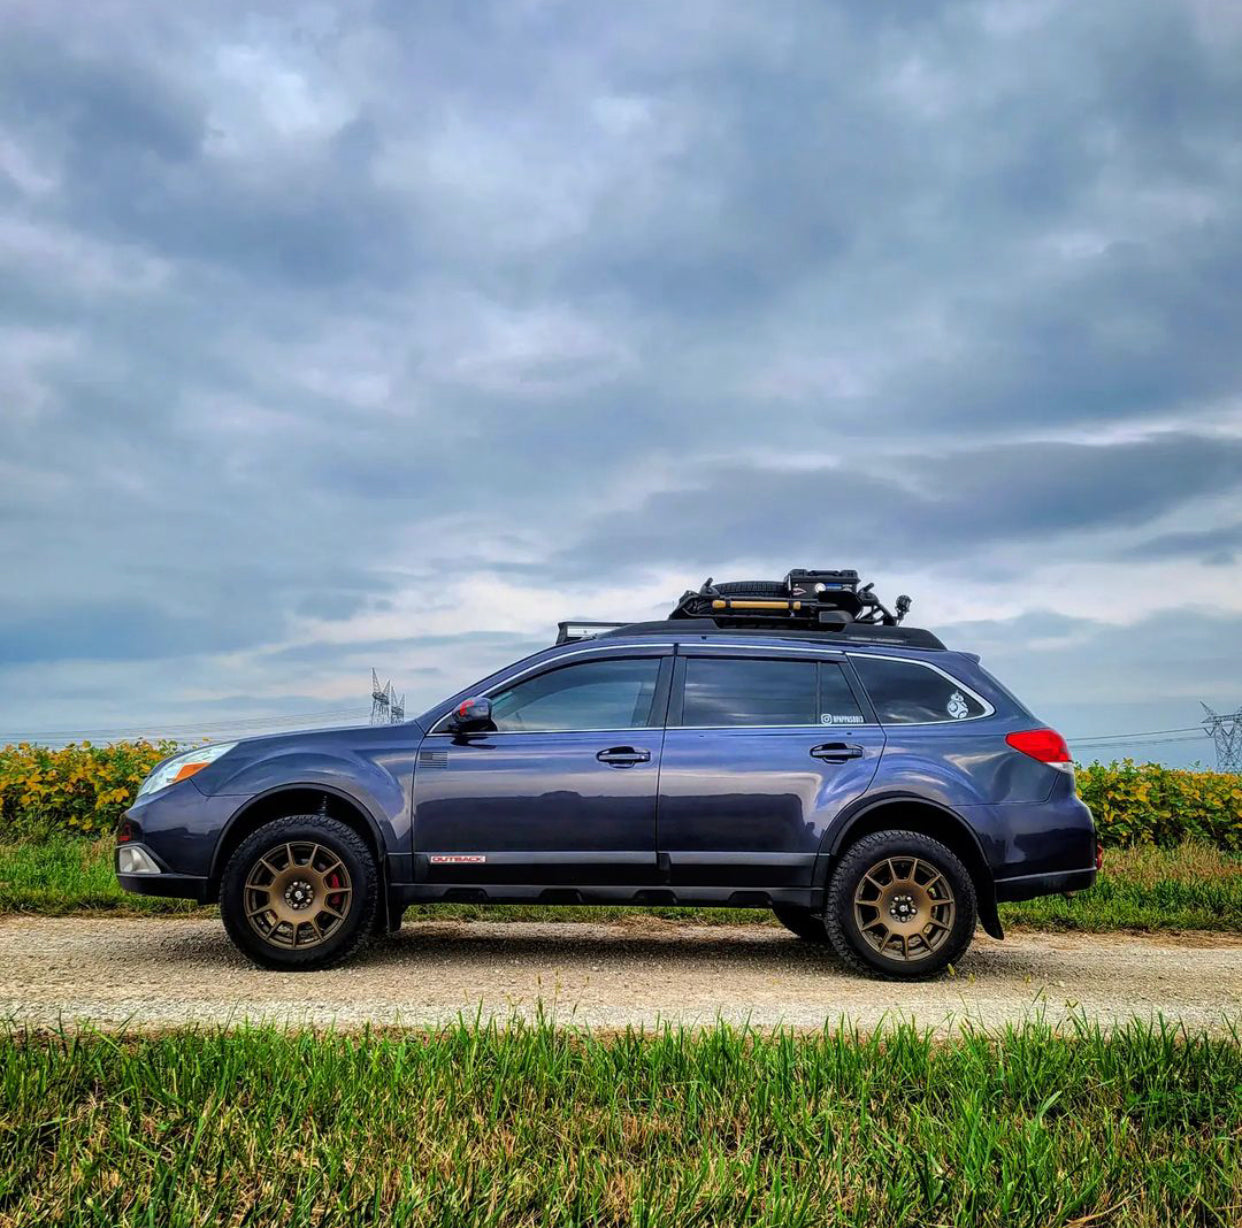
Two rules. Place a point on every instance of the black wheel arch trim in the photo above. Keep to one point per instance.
(836, 836)
(302, 786)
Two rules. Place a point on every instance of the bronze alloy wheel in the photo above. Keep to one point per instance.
(904, 907)
(297, 895)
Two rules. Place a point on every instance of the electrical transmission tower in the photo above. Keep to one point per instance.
(381, 700)
(1226, 732)
(386, 707)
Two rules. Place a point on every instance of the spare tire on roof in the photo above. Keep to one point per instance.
(753, 588)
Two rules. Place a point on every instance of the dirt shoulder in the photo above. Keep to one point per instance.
(129, 971)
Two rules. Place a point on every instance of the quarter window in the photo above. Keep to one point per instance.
(731, 691)
(907, 693)
(613, 694)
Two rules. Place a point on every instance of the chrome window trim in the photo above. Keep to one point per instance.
(752, 728)
(552, 662)
(833, 655)
(988, 709)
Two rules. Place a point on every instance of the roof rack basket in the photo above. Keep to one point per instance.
(805, 600)
(806, 603)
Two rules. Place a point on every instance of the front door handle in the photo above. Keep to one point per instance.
(837, 752)
(623, 756)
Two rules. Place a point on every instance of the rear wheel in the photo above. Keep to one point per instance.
(300, 893)
(900, 905)
(806, 924)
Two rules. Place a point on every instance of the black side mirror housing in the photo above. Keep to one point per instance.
(473, 715)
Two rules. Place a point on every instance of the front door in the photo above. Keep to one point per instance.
(762, 751)
(562, 790)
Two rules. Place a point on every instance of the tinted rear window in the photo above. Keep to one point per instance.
(906, 693)
(732, 691)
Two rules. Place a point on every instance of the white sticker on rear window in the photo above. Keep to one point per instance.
(834, 718)
(957, 707)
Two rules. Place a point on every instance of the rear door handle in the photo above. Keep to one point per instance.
(837, 752)
(623, 756)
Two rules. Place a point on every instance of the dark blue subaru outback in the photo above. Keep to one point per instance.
(786, 745)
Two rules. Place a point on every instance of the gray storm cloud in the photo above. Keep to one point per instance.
(308, 313)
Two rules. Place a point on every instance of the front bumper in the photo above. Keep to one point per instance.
(181, 886)
(1028, 886)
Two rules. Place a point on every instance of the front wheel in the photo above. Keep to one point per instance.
(901, 906)
(300, 894)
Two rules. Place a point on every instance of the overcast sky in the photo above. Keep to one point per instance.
(353, 334)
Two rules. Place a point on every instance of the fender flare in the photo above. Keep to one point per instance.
(248, 803)
(837, 835)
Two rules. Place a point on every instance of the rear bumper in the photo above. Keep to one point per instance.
(1028, 886)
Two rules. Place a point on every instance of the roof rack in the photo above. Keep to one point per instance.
(851, 633)
(806, 603)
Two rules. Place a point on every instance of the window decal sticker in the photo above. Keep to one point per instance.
(957, 707)
(835, 718)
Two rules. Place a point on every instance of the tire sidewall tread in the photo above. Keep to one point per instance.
(353, 934)
(852, 948)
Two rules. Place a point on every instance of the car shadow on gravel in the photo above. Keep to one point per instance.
(580, 943)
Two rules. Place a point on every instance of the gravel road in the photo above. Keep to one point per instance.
(157, 972)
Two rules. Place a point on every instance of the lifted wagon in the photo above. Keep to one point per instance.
(785, 745)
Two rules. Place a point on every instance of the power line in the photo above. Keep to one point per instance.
(163, 729)
(1151, 733)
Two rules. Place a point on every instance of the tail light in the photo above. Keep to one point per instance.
(1046, 745)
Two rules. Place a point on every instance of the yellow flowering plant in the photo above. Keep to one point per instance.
(85, 789)
(79, 788)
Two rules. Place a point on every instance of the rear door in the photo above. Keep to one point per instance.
(763, 749)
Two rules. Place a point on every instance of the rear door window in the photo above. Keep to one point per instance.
(908, 693)
(725, 691)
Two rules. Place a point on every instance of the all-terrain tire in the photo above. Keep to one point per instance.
(804, 922)
(300, 894)
(939, 929)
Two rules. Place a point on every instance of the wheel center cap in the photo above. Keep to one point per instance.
(299, 894)
(902, 908)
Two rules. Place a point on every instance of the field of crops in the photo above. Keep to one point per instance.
(532, 1126)
(83, 790)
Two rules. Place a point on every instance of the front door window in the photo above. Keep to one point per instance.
(591, 695)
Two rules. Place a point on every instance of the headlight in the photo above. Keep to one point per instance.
(182, 767)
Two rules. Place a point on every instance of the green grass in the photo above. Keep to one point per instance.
(527, 1125)
(64, 874)
(1192, 887)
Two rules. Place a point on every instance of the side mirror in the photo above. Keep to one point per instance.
(472, 715)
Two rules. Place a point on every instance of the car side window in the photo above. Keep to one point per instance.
(907, 693)
(612, 694)
(722, 691)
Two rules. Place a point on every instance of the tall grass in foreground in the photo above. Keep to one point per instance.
(1190, 887)
(526, 1125)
